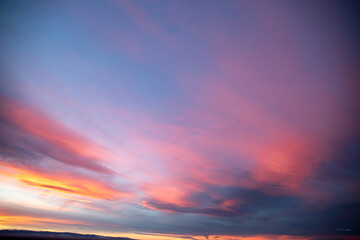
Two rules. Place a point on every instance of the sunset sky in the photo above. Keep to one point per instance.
(181, 119)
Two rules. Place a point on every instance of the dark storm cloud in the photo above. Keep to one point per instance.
(345, 166)
(245, 201)
(175, 208)
(259, 211)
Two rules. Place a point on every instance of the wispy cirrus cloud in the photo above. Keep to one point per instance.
(31, 132)
(209, 121)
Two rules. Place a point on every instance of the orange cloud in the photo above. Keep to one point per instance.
(19, 220)
(63, 182)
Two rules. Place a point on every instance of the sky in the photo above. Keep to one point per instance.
(203, 120)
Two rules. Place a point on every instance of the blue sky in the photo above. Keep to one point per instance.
(180, 119)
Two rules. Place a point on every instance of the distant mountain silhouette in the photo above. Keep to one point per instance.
(43, 235)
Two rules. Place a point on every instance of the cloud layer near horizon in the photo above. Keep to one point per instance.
(185, 118)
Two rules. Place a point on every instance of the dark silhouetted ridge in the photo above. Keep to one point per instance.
(42, 235)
